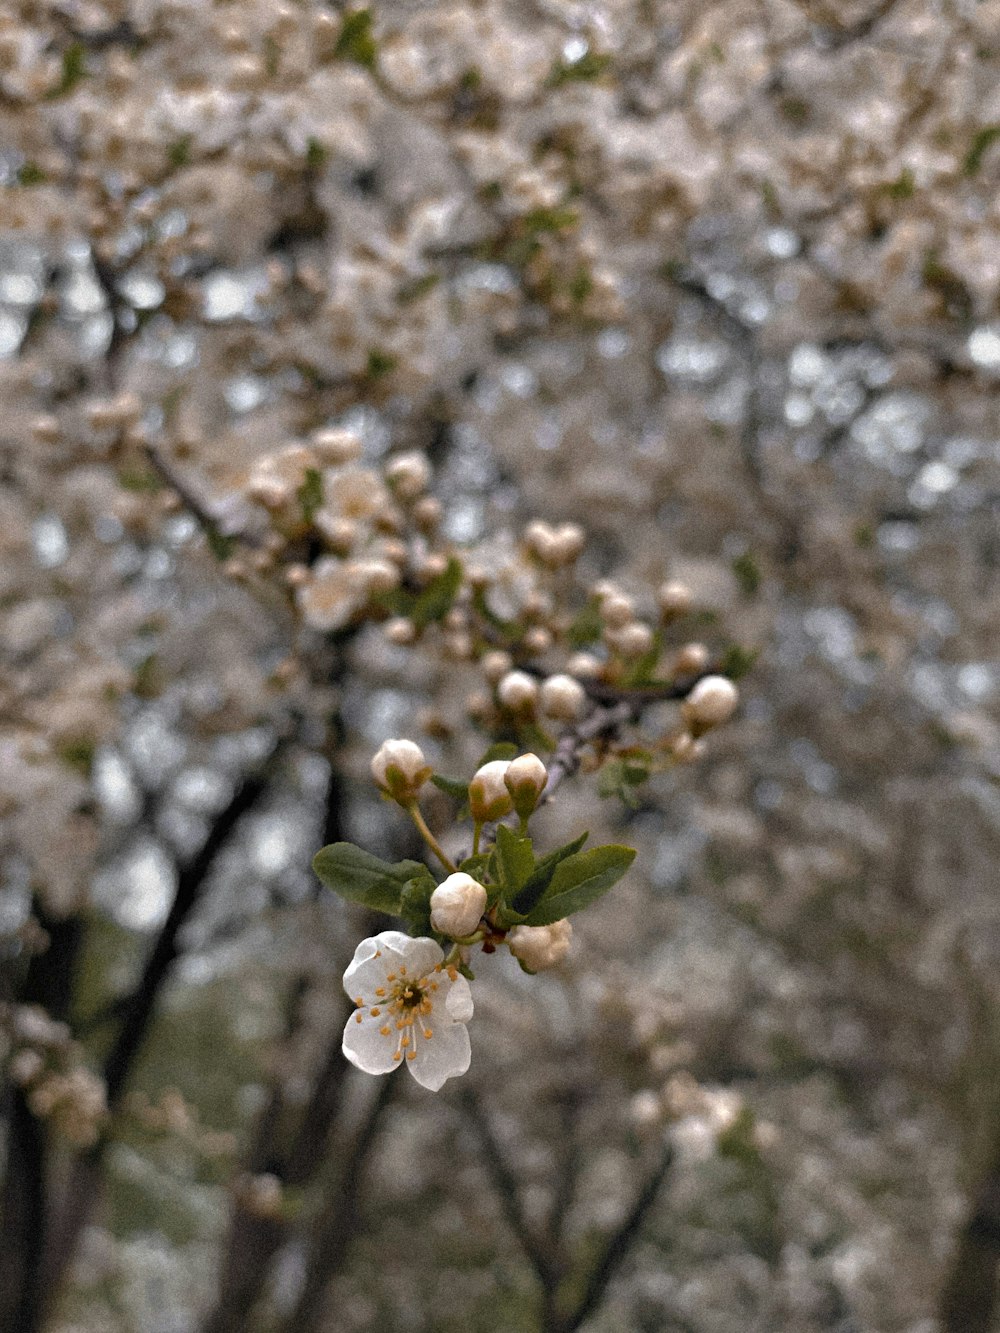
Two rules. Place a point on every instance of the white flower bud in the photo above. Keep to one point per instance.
(562, 698)
(631, 640)
(400, 769)
(584, 666)
(518, 691)
(336, 446)
(488, 795)
(616, 610)
(712, 701)
(525, 778)
(376, 576)
(495, 666)
(457, 905)
(674, 598)
(538, 640)
(408, 475)
(691, 659)
(427, 513)
(685, 749)
(540, 947)
(400, 630)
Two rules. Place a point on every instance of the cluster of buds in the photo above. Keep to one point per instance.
(46, 1062)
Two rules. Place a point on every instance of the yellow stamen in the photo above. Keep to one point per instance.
(390, 976)
(398, 1055)
(375, 1012)
(359, 1001)
(380, 992)
(385, 1029)
(358, 1018)
(411, 1055)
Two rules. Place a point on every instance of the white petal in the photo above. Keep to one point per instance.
(420, 955)
(373, 959)
(458, 1001)
(365, 1046)
(447, 1053)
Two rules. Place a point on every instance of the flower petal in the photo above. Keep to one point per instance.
(420, 955)
(447, 1053)
(373, 959)
(458, 1001)
(366, 1047)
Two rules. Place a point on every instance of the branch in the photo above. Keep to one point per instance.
(505, 1183)
(618, 1246)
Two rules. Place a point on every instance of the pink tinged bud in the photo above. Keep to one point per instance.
(540, 947)
(711, 702)
(489, 798)
(457, 906)
(400, 769)
(525, 778)
(563, 698)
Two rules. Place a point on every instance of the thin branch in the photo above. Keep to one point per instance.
(618, 1246)
(504, 1181)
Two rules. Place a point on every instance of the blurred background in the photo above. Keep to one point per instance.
(719, 282)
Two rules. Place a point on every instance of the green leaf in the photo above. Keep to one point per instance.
(501, 750)
(515, 859)
(748, 573)
(540, 878)
(435, 601)
(476, 865)
(982, 141)
(74, 67)
(310, 493)
(641, 672)
(737, 661)
(357, 41)
(451, 786)
(580, 880)
(363, 878)
(415, 904)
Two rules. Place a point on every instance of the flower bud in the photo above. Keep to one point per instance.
(538, 948)
(616, 610)
(562, 698)
(336, 445)
(631, 640)
(400, 769)
(518, 691)
(408, 475)
(525, 779)
(674, 598)
(495, 665)
(584, 666)
(691, 659)
(457, 905)
(488, 795)
(400, 630)
(712, 701)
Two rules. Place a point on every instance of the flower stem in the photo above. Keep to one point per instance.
(477, 833)
(430, 839)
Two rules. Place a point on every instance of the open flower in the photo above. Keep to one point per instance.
(412, 1009)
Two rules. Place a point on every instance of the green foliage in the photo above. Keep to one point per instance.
(179, 152)
(310, 493)
(413, 289)
(620, 777)
(30, 173)
(357, 41)
(363, 878)
(501, 750)
(748, 574)
(514, 859)
(74, 67)
(737, 661)
(643, 669)
(541, 877)
(451, 786)
(435, 601)
(415, 904)
(316, 154)
(982, 141)
(580, 880)
(586, 628)
(380, 363)
(590, 66)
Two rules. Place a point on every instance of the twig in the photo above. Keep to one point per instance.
(618, 1246)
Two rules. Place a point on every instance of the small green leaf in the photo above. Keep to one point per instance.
(380, 363)
(310, 493)
(515, 859)
(179, 152)
(356, 41)
(316, 154)
(747, 572)
(982, 141)
(737, 661)
(501, 750)
(363, 878)
(435, 600)
(644, 668)
(451, 786)
(540, 878)
(30, 173)
(415, 904)
(74, 67)
(580, 880)
(476, 865)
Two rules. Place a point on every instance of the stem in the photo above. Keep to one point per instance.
(477, 833)
(429, 838)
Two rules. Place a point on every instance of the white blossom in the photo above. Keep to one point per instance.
(411, 1008)
(712, 701)
(562, 698)
(400, 769)
(488, 794)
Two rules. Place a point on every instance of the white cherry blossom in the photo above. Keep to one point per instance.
(411, 1008)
